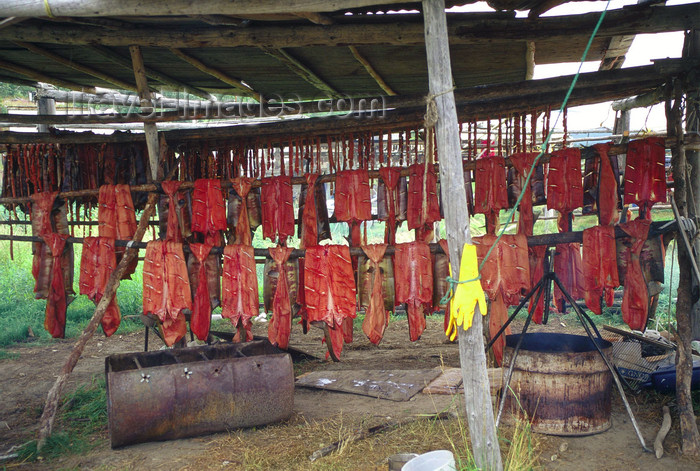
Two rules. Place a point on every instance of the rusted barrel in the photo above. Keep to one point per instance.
(187, 392)
(561, 382)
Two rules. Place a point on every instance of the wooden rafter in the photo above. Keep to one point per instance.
(220, 20)
(316, 18)
(76, 66)
(177, 7)
(301, 70)
(471, 101)
(13, 20)
(615, 52)
(40, 77)
(372, 71)
(392, 30)
(244, 89)
(150, 73)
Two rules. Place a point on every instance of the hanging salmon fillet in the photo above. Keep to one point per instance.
(49, 214)
(635, 300)
(241, 232)
(329, 290)
(56, 304)
(441, 270)
(352, 200)
(234, 207)
(491, 194)
(608, 198)
(522, 163)
(166, 288)
(280, 327)
(569, 269)
(116, 219)
(240, 289)
(413, 275)
(376, 316)
(565, 184)
(174, 212)
(208, 210)
(423, 207)
(600, 276)
(277, 209)
(505, 277)
(204, 273)
(98, 261)
(645, 174)
(536, 256)
(392, 200)
(308, 221)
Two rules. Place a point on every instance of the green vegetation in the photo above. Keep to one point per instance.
(82, 423)
(20, 312)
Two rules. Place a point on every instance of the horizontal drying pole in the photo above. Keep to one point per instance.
(656, 228)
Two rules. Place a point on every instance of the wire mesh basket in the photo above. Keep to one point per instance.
(636, 357)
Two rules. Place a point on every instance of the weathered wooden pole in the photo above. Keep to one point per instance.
(684, 361)
(151, 129)
(691, 49)
(51, 406)
(472, 355)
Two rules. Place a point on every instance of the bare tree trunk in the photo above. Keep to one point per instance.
(684, 361)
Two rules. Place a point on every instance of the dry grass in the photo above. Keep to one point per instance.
(288, 446)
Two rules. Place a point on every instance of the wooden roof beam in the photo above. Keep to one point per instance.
(296, 66)
(150, 73)
(40, 77)
(244, 89)
(76, 66)
(176, 7)
(388, 30)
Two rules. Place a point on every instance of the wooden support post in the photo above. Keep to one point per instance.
(151, 129)
(45, 106)
(690, 437)
(51, 406)
(482, 427)
(692, 125)
(530, 60)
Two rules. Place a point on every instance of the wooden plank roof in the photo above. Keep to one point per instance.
(290, 55)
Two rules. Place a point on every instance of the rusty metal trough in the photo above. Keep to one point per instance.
(178, 393)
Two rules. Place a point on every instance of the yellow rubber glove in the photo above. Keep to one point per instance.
(467, 295)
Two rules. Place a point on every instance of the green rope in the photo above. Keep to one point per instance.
(453, 287)
(545, 144)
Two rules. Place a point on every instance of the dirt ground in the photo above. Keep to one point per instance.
(25, 381)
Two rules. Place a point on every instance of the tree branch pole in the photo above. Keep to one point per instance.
(472, 355)
(690, 437)
(150, 129)
(51, 406)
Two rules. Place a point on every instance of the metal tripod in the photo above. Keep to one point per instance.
(544, 288)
